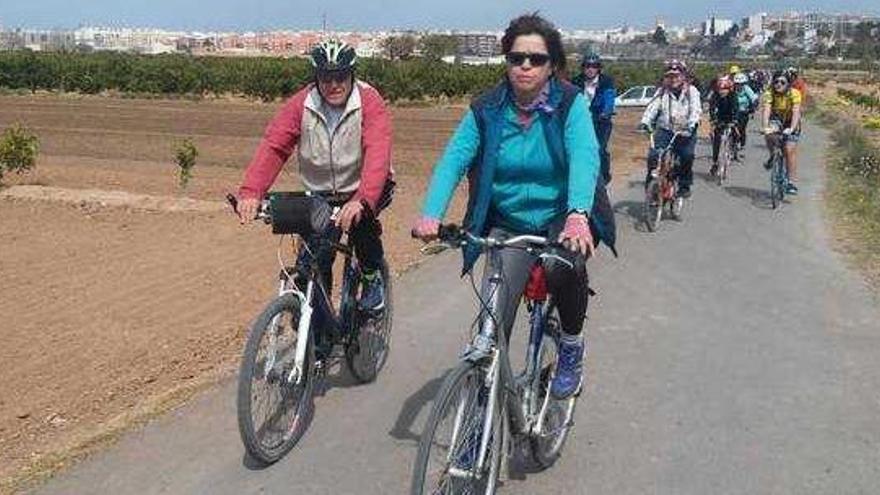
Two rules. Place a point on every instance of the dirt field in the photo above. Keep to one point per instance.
(109, 314)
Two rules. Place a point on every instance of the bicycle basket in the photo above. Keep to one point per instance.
(299, 213)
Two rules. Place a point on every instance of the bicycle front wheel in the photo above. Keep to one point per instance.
(448, 461)
(274, 402)
(554, 418)
(777, 183)
(367, 351)
(727, 152)
(653, 205)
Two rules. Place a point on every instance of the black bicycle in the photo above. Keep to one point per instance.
(661, 192)
(778, 170)
(483, 405)
(285, 352)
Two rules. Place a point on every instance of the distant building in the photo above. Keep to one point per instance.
(755, 23)
(473, 60)
(478, 44)
(838, 26)
(607, 37)
(714, 26)
(149, 41)
(368, 49)
(37, 40)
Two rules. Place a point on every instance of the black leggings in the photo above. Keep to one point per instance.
(742, 121)
(569, 287)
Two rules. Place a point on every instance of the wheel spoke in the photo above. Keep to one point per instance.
(450, 452)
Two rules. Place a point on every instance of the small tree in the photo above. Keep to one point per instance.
(437, 46)
(185, 154)
(18, 149)
(399, 47)
(659, 37)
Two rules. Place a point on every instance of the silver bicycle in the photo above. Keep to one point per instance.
(483, 406)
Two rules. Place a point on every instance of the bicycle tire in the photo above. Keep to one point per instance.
(547, 449)
(363, 363)
(653, 206)
(724, 159)
(776, 187)
(729, 147)
(295, 404)
(456, 381)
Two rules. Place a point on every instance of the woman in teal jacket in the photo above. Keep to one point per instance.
(530, 151)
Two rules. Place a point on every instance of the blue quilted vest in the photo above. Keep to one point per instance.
(488, 111)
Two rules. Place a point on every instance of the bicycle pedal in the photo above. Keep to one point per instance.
(320, 366)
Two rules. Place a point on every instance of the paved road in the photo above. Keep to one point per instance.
(732, 353)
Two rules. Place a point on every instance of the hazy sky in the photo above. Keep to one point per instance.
(375, 14)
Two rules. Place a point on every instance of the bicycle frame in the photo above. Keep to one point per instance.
(778, 173)
(307, 305)
(665, 167)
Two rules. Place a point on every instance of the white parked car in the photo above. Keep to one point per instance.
(637, 96)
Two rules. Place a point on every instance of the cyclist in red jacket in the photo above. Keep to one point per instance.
(341, 130)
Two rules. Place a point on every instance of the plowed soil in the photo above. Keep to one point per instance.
(115, 302)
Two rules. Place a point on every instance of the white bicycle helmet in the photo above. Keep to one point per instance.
(740, 78)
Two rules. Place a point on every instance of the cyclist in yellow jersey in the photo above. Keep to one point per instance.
(782, 111)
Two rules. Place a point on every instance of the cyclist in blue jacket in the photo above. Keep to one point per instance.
(599, 90)
(529, 149)
(747, 102)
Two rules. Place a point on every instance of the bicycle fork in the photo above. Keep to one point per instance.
(304, 326)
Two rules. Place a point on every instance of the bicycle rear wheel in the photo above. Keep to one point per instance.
(367, 351)
(449, 448)
(653, 205)
(554, 420)
(274, 407)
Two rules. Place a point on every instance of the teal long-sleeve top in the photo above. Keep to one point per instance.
(528, 192)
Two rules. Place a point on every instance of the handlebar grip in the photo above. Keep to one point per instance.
(449, 232)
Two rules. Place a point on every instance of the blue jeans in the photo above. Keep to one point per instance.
(684, 148)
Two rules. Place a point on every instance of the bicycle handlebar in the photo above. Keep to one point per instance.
(675, 136)
(455, 236)
(262, 210)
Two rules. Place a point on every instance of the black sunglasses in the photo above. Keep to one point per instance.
(593, 66)
(535, 59)
(780, 82)
(338, 76)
